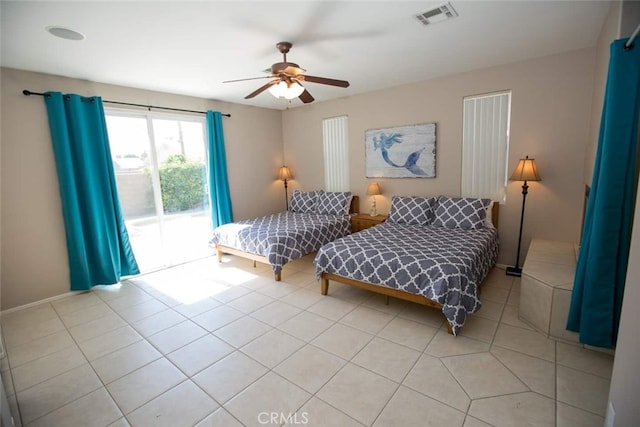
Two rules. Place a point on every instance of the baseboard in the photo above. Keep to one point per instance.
(68, 294)
(35, 303)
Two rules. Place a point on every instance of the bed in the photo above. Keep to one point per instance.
(313, 219)
(433, 251)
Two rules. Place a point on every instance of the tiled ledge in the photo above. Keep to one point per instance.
(546, 284)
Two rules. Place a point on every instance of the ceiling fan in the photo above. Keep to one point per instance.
(287, 77)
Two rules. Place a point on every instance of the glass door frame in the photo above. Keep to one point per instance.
(154, 165)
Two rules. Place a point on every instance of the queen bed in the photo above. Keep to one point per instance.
(313, 219)
(433, 251)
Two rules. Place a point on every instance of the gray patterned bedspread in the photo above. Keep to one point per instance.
(284, 236)
(444, 265)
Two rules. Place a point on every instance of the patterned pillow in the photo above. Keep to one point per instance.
(334, 203)
(303, 201)
(412, 210)
(465, 213)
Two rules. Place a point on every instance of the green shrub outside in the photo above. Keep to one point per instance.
(182, 183)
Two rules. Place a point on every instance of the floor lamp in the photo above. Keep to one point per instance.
(284, 175)
(526, 170)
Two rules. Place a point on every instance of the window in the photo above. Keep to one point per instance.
(336, 153)
(159, 162)
(485, 145)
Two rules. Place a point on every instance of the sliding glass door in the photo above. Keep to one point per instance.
(159, 161)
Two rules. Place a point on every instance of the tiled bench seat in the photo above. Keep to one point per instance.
(546, 284)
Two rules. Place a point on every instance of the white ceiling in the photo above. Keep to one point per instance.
(190, 48)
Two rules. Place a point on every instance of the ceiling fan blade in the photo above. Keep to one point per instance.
(325, 81)
(306, 97)
(261, 89)
(251, 78)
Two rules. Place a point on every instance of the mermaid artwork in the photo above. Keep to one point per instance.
(384, 142)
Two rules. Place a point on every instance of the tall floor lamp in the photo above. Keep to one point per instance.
(284, 175)
(526, 170)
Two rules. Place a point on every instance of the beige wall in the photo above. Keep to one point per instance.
(551, 100)
(34, 257)
(550, 120)
(625, 378)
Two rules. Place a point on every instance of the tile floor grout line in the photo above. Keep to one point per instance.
(104, 386)
(315, 395)
(555, 383)
(512, 372)
(521, 352)
(573, 368)
(15, 394)
(467, 415)
(458, 381)
(55, 376)
(328, 381)
(386, 404)
(67, 403)
(579, 408)
(143, 338)
(146, 402)
(7, 348)
(447, 369)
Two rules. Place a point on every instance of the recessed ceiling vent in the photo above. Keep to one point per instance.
(438, 14)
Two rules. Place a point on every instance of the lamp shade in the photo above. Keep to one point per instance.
(284, 173)
(526, 170)
(373, 189)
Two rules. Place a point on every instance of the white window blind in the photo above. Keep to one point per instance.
(336, 153)
(485, 145)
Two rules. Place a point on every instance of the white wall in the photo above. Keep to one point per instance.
(551, 100)
(34, 255)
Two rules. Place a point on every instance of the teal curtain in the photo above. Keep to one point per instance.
(604, 250)
(97, 240)
(219, 195)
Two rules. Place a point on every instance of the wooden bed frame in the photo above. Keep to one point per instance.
(390, 292)
(221, 249)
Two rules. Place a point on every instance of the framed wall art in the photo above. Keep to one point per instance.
(401, 152)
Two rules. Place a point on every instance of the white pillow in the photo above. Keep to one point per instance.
(488, 219)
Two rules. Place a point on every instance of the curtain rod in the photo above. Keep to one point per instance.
(629, 44)
(28, 92)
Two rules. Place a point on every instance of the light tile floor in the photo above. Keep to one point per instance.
(211, 344)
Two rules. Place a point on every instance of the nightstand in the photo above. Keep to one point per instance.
(361, 221)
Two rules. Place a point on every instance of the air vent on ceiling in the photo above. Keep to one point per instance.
(438, 14)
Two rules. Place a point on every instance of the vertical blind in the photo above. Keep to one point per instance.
(485, 145)
(336, 153)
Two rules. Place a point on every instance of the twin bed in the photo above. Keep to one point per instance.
(314, 218)
(433, 251)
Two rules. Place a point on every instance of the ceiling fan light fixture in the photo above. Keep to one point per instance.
(286, 77)
(286, 90)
